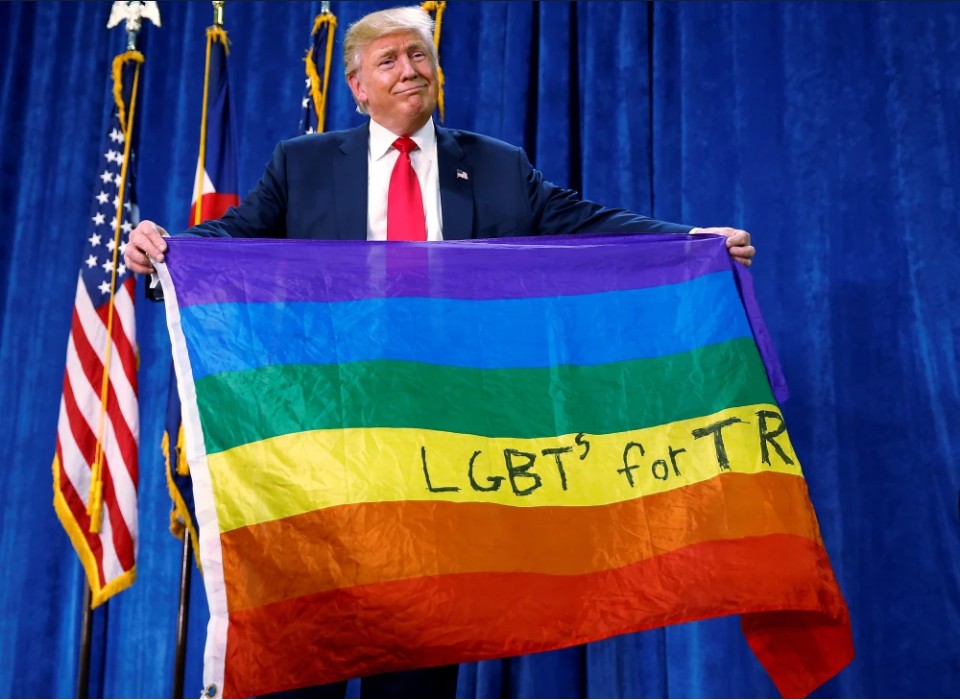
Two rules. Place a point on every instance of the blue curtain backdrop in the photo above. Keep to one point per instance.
(829, 130)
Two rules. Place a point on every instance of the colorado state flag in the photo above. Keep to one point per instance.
(215, 191)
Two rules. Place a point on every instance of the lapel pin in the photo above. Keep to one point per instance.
(462, 175)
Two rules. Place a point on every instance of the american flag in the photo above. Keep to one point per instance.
(99, 420)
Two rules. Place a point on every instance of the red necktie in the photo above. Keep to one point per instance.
(405, 219)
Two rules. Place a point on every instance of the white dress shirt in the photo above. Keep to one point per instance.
(381, 157)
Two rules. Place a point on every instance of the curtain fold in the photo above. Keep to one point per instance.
(828, 130)
(825, 129)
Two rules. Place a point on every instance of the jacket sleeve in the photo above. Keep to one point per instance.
(261, 214)
(557, 210)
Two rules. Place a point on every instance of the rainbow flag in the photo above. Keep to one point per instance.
(413, 454)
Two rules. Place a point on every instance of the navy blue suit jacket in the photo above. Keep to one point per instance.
(315, 186)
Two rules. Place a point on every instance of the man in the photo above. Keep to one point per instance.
(338, 185)
(399, 177)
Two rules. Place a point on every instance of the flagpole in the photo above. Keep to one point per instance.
(132, 14)
(183, 618)
(86, 632)
(183, 607)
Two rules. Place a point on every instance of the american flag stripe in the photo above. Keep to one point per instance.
(112, 565)
(100, 419)
(84, 433)
(78, 509)
(109, 544)
(108, 547)
(82, 406)
(84, 362)
(76, 441)
(115, 528)
(87, 323)
(94, 330)
(84, 436)
(124, 340)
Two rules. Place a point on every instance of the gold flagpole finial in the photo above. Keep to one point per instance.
(218, 13)
(134, 13)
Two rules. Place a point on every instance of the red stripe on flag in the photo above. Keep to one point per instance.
(308, 551)
(431, 621)
(121, 342)
(86, 442)
(80, 517)
(124, 436)
(89, 360)
(798, 662)
(93, 369)
(82, 409)
(122, 540)
(84, 438)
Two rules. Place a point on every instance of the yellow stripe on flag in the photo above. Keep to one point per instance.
(303, 472)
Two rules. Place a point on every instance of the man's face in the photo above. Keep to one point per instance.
(397, 82)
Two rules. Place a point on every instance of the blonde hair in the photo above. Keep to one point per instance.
(371, 27)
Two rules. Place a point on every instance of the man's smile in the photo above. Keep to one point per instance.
(412, 88)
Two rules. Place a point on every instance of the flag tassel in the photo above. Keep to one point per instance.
(437, 7)
(319, 95)
(95, 500)
(180, 519)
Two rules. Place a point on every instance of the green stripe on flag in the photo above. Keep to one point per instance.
(238, 408)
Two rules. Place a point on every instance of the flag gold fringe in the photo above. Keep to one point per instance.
(318, 93)
(95, 499)
(437, 8)
(99, 594)
(180, 519)
(118, 62)
(219, 34)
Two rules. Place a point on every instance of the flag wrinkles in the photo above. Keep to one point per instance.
(409, 454)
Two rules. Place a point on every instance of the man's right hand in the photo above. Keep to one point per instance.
(145, 246)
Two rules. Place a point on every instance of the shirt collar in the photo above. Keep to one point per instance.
(381, 139)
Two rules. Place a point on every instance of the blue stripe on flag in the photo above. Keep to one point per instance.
(597, 328)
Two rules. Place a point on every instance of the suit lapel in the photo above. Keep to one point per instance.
(350, 185)
(456, 188)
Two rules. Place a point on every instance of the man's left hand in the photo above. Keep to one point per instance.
(738, 242)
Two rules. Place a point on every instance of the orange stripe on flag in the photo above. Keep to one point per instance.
(466, 617)
(304, 554)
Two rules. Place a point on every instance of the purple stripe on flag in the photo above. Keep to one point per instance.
(768, 353)
(255, 270)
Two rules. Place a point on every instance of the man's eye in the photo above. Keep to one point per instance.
(386, 63)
